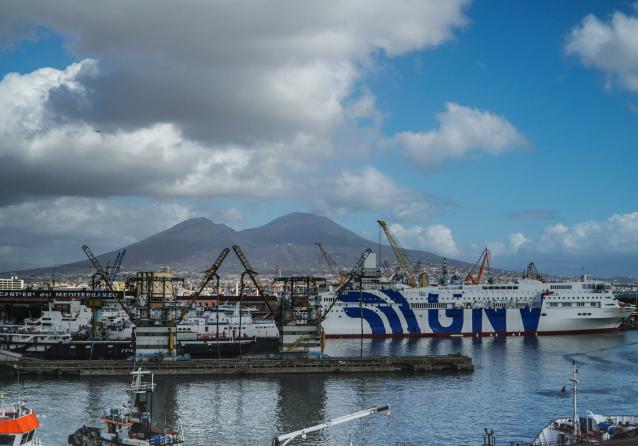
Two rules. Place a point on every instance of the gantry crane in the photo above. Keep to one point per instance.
(107, 280)
(208, 275)
(248, 269)
(334, 269)
(474, 277)
(354, 272)
(405, 263)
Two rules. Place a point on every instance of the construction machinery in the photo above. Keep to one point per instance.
(332, 266)
(354, 273)
(475, 274)
(158, 312)
(532, 273)
(406, 264)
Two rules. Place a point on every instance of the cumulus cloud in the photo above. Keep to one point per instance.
(462, 131)
(237, 99)
(609, 46)
(435, 238)
(369, 189)
(233, 72)
(607, 246)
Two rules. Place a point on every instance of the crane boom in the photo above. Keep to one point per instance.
(253, 276)
(117, 264)
(105, 276)
(399, 253)
(208, 275)
(284, 439)
(334, 270)
(353, 272)
(483, 260)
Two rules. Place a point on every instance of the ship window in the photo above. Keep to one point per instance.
(7, 439)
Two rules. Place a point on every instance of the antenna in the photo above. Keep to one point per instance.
(574, 381)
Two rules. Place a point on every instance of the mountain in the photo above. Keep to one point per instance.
(286, 243)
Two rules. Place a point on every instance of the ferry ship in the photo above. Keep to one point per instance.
(522, 307)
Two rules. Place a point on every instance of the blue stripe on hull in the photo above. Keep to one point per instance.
(373, 319)
(404, 306)
(393, 319)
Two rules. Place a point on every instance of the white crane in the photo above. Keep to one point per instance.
(284, 439)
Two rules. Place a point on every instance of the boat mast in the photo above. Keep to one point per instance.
(574, 381)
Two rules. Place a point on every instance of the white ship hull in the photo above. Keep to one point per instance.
(526, 308)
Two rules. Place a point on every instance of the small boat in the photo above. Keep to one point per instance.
(131, 426)
(591, 429)
(18, 425)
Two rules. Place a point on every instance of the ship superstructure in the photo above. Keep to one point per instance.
(522, 307)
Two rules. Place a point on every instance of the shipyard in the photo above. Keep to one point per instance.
(337, 223)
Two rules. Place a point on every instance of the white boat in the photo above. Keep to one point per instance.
(228, 322)
(590, 429)
(521, 307)
(58, 324)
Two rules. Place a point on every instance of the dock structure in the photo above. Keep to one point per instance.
(252, 366)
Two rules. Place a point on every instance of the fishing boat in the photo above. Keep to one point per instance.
(18, 425)
(591, 429)
(131, 426)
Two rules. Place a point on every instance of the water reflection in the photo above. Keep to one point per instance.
(515, 389)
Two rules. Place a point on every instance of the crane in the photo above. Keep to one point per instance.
(115, 269)
(285, 439)
(107, 280)
(402, 257)
(334, 269)
(208, 275)
(348, 278)
(483, 260)
(253, 276)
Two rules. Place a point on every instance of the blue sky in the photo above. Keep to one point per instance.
(507, 124)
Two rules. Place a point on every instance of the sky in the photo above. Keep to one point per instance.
(464, 124)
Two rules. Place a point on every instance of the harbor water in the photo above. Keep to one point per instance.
(516, 389)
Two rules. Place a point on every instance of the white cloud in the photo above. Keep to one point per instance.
(433, 238)
(607, 246)
(369, 189)
(610, 46)
(462, 131)
(238, 72)
(616, 235)
(247, 99)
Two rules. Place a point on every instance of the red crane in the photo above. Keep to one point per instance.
(483, 261)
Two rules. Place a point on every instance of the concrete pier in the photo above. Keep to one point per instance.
(251, 366)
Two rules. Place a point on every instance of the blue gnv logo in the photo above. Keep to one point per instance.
(455, 318)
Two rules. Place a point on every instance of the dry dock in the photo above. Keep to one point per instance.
(251, 366)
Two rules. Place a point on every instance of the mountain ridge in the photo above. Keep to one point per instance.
(286, 243)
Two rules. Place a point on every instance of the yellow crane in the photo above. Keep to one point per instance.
(405, 263)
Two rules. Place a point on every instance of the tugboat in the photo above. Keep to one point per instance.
(592, 429)
(131, 426)
(18, 424)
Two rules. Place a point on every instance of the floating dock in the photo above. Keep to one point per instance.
(251, 366)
